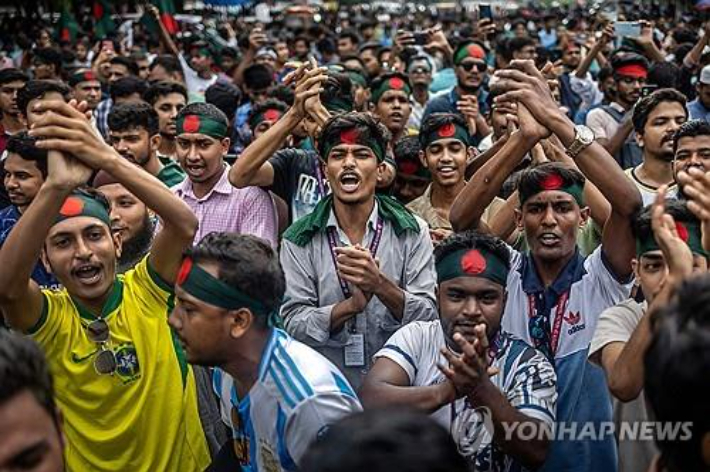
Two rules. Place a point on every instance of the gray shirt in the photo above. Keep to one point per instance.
(313, 289)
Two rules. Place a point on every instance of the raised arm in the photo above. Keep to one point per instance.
(595, 51)
(257, 39)
(480, 191)
(252, 167)
(525, 84)
(165, 40)
(67, 130)
(20, 297)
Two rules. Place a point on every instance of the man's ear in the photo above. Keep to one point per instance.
(239, 322)
(45, 260)
(225, 145)
(639, 139)
(155, 141)
(584, 214)
(518, 218)
(117, 243)
(422, 158)
(635, 268)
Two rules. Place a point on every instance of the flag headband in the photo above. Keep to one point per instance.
(445, 131)
(201, 124)
(472, 263)
(80, 77)
(80, 204)
(202, 285)
(554, 181)
(689, 232)
(361, 135)
(272, 114)
(393, 83)
(470, 50)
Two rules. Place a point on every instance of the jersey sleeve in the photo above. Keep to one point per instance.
(605, 282)
(149, 287)
(282, 163)
(403, 348)
(312, 418)
(533, 389)
(57, 313)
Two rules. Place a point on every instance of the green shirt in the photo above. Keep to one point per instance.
(171, 174)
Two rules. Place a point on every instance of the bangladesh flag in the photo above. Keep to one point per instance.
(103, 23)
(67, 27)
(167, 17)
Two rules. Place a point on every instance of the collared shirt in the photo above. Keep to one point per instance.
(446, 103)
(602, 123)
(313, 289)
(697, 110)
(102, 110)
(247, 210)
(423, 208)
(525, 378)
(415, 117)
(297, 395)
(583, 394)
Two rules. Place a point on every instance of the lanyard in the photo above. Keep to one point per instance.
(557, 322)
(319, 178)
(374, 244)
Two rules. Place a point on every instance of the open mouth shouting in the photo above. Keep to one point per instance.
(87, 274)
(549, 239)
(349, 181)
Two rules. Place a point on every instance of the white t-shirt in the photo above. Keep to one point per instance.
(193, 82)
(526, 379)
(298, 395)
(648, 193)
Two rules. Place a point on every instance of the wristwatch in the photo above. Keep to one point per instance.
(583, 137)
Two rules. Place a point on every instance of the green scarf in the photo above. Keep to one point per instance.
(302, 231)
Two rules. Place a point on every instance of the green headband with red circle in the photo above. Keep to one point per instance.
(201, 124)
(393, 83)
(554, 181)
(689, 232)
(445, 131)
(472, 263)
(272, 114)
(354, 135)
(81, 204)
(470, 49)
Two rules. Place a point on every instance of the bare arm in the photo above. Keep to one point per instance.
(387, 384)
(594, 53)
(614, 144)
(165, 39)
(257, 39)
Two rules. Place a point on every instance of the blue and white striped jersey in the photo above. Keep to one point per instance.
(299, 393)
(526, 379)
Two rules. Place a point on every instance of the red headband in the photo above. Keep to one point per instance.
(633, 70)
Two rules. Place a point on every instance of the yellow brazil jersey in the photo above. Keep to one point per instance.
(144, 417)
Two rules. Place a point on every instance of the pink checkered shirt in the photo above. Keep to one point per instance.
(226, 208)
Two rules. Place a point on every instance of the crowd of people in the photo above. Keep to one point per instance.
(349, 240)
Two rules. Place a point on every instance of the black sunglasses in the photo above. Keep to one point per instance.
(420, 70)
(105, 361)
(468, 66)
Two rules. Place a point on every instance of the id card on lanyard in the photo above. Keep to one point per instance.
(354, 351)
(556, 322)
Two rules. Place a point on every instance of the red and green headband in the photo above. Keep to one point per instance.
(202, 285)
(393, 83)
(472, 263)
(445, 131)
(689, 232)
(80, 204)
(80, 77)
(272, 114)
(361, 135)
(554, 181)
(201, 124)
(469, 50)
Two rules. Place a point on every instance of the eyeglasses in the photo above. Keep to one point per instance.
(420, 70)
(105, 361)
(468, 66)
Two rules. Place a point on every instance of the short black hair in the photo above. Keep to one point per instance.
(338, 123)
(258, 76)
(664, 75)
(677, 363)
(351, 34)
(531, 177)
(647, 104)
(375, 46)
(407, 148)
(337, 90)
(25, 146)
(435, 121)
(161, 89)
(225, 96)
(283, 93)
(126, 86)
(385, 440)
(130, 64)
(380, 79)
(206, 109)
(516, 44)
(23, 367)
(127, 116)
(50, 56)
(303, 38)
(36, 89)
(622, 59)
(246, 263)
(170, 63)
(351, 57)
(473, 240)
(678, 209)
(690, 129)
(12, 74)
(268, 104)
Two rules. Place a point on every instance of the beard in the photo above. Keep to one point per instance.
(137, 247)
